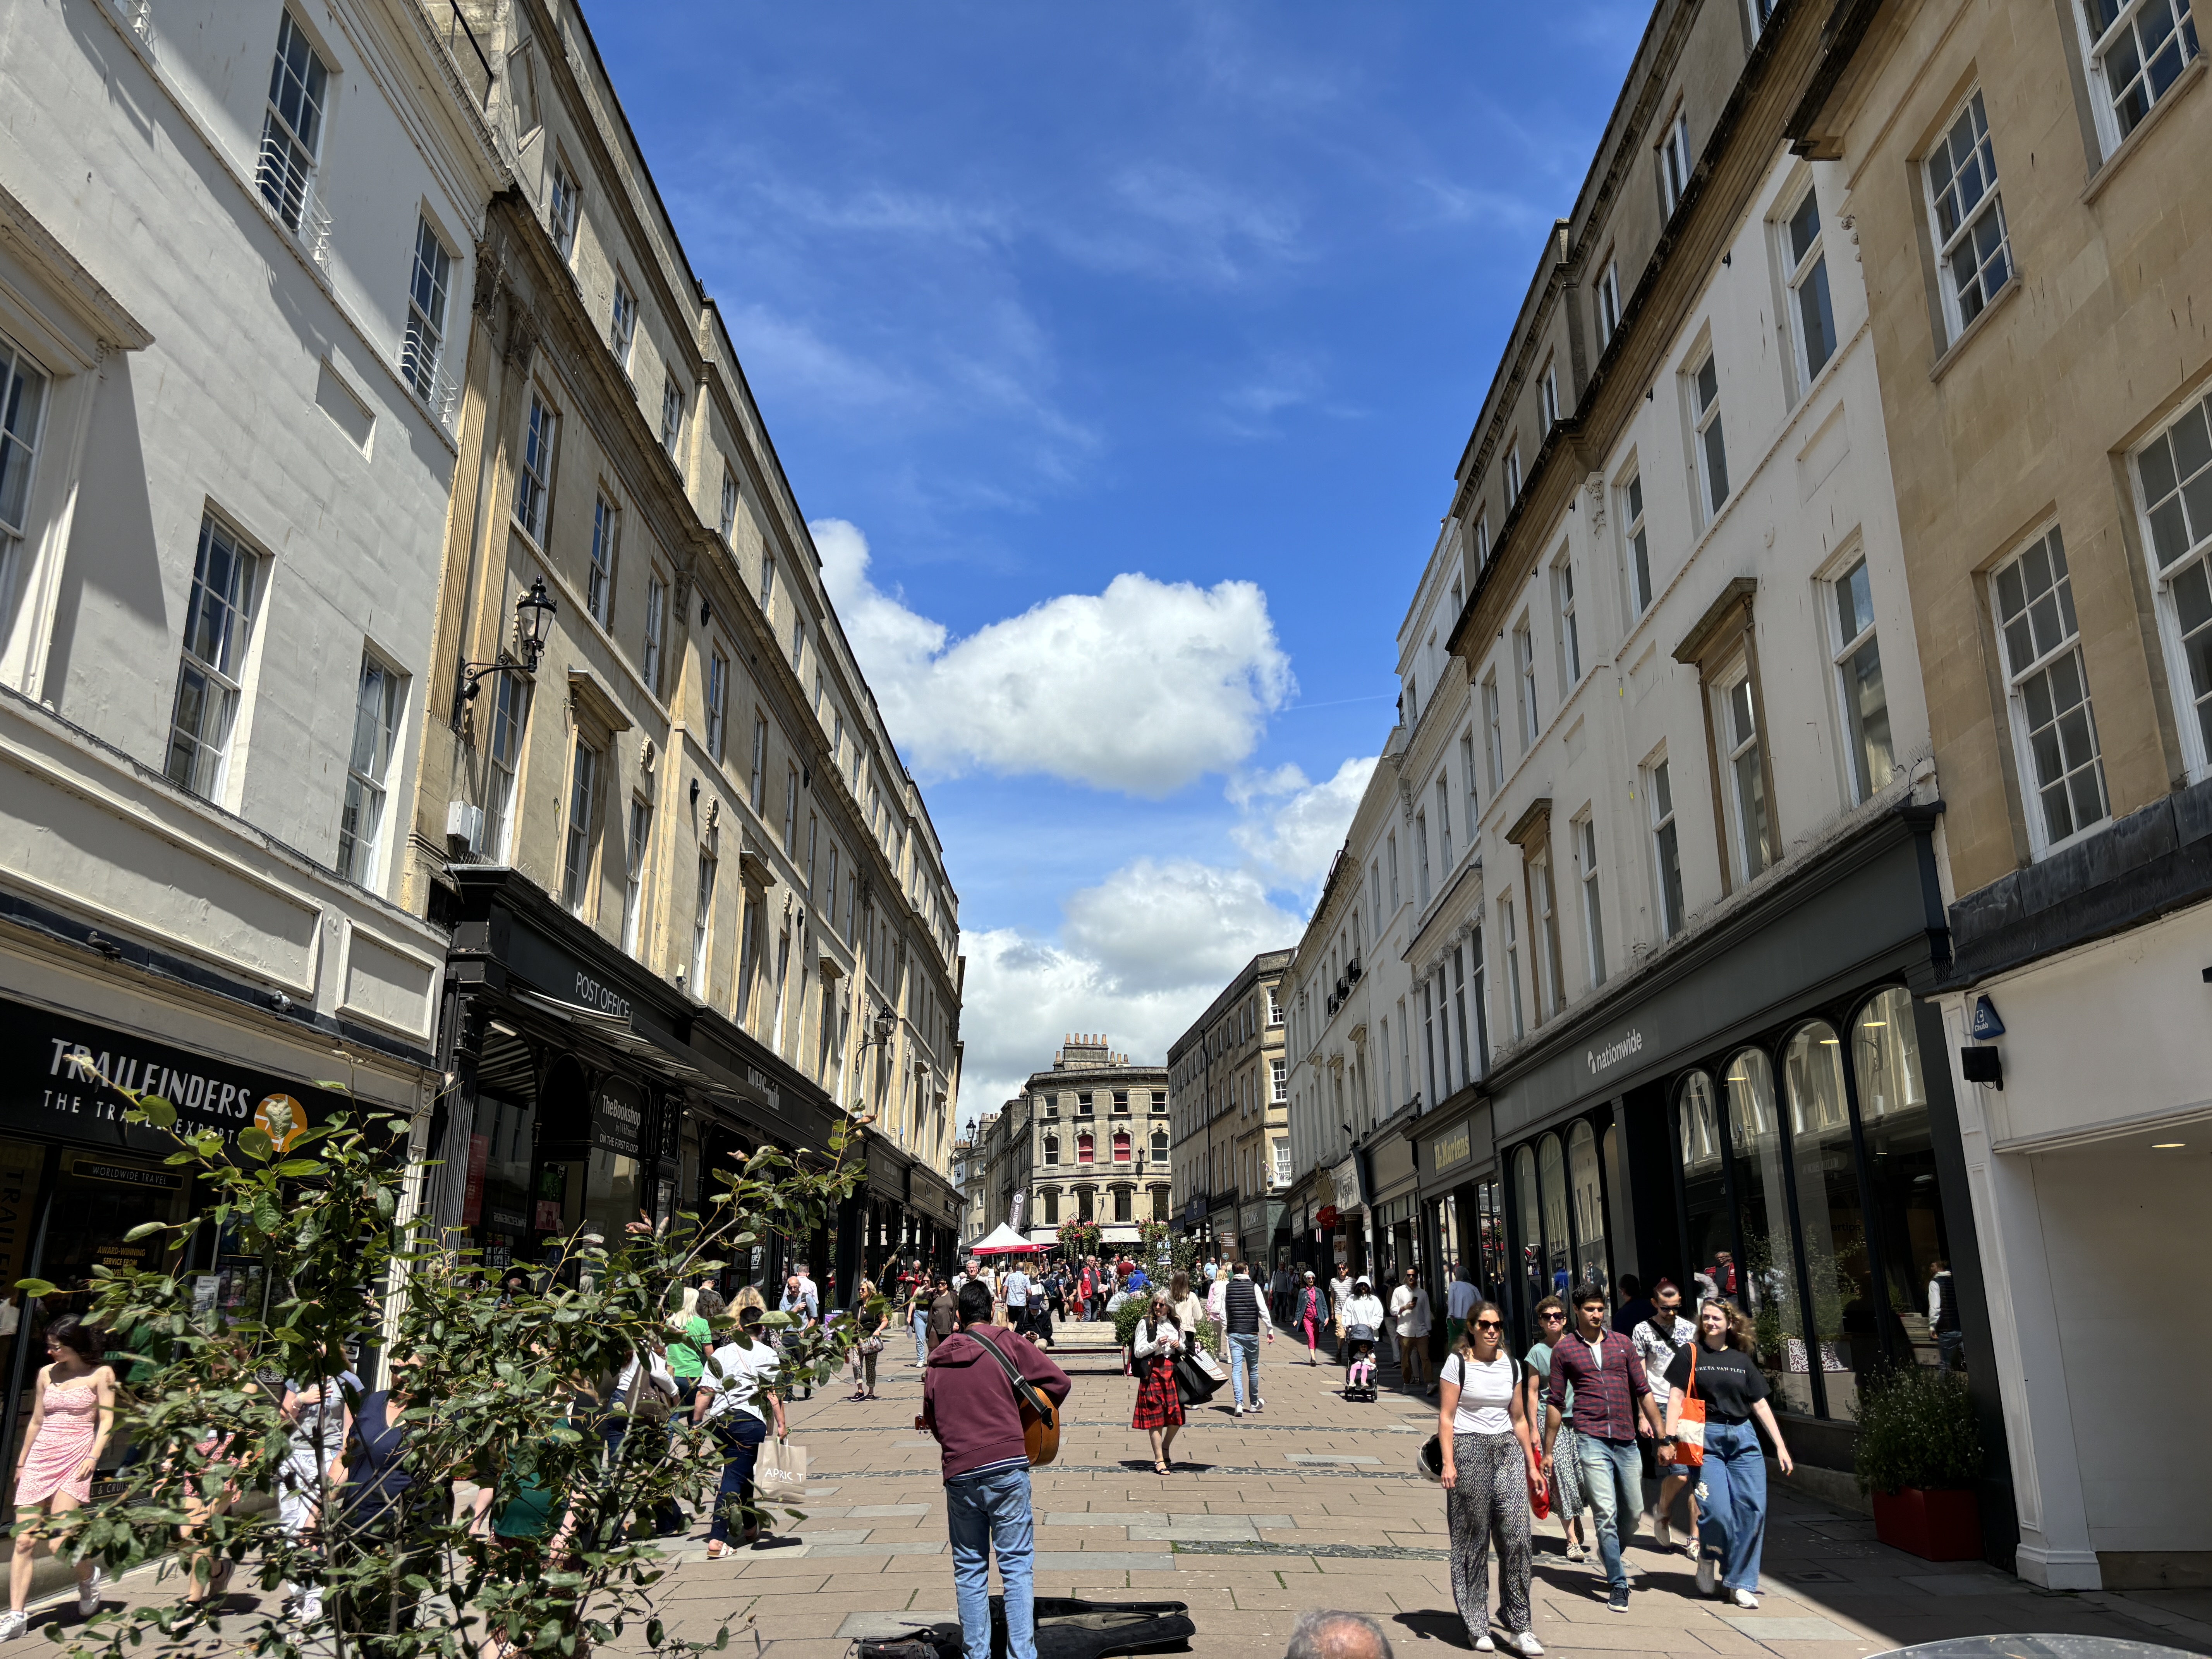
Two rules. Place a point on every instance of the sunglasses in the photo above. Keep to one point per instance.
(1555, 1319)
(1489, 1325)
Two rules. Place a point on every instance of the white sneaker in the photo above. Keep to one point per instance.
(1661, 1538)
(1259, 1405)
(1484, 1645)
(1744, 1599)
(311, 1606)
(12, 1625)
(1528, 1644)
(88, 1593)
(1239, 1410)
(1709, 1574)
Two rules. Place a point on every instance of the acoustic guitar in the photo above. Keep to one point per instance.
(1040, 1417)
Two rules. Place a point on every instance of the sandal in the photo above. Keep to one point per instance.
(1161, 1468)
(716, 1549)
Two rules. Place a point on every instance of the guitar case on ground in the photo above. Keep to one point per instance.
(1066, 1629)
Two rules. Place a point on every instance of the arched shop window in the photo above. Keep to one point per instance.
(1830, 1229)
(1711, 1228)
(1769, 1277)
(1588, 1213)
(1909, 1235)
(1559, 1246)
(1536, 1281)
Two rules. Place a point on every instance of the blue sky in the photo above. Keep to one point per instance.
(1121, 356)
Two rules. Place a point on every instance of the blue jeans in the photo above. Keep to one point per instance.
(1244, 1368)
(920, 1336)
(1613, 1484)
(1732, 1502)
(986, 1511)
(741, 1434)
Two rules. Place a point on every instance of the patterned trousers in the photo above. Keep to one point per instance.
(1489, 1500)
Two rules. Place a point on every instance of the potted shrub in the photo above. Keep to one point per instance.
(1918, 1455)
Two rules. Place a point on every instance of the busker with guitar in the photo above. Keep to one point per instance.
(993, 1402)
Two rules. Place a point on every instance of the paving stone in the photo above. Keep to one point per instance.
(1330, 1457)
(1099, 1560)
(1790, 1630)
(1104, 1518)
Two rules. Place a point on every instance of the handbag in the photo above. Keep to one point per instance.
(649, 1398)
(1040, 1417)
(1213, 1368)
(780, 1471)
(1690, 1422)
(1431, 1459)
(1194, 1384)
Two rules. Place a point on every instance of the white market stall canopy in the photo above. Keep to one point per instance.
(1002, 1241)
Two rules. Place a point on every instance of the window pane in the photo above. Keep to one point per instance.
(1804, 227)
(1589, 1206)
(1769, 1288)
(1558, 1257)
(1711, 1231)
(1869, 703)
(1818, 319)
(1902, 1198)
(1834, 1229)
(1717, 477)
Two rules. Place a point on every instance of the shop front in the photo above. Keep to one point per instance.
(76, 1180)
(1764, 1117)
(1462, 1218)
(1393, 1209)
(1344, 1216)
(589, 1093)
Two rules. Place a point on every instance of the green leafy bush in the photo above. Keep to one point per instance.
(1125, 1324)
(1916, 1429)
(510, 1391)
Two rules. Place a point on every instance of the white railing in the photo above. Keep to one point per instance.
(288, 188)
(140, 14)
(436, 386)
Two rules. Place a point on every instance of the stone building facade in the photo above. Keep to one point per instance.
(2026, 184)
(228, 437)
(698, 904)
(1228, 1103)
(1096, 1141)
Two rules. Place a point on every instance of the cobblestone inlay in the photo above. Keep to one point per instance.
(1353, 1552)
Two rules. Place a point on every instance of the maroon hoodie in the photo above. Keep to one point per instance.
(968, 1403)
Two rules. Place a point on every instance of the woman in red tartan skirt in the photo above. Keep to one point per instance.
(1157, 1342)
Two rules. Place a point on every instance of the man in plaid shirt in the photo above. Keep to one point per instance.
(1612, 1396)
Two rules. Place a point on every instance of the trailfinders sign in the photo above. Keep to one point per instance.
(64, 1076)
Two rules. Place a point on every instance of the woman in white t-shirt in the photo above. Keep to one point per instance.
(737, 1392)
(1490, 1466)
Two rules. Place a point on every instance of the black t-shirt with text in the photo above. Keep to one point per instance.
(1728, 1381)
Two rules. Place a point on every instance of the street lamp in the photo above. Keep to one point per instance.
(533, 621)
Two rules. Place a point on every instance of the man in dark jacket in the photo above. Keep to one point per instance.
(968, 1402)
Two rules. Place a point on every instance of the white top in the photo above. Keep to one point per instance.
(1340, 1292)
(1409, 1306)
(1485, 1394)
(1363, 1311)
(1017, 1289)
(737, 1377)
(1148, 1341)
(1461, 1299)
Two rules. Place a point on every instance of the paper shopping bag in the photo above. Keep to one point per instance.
(781, 1471)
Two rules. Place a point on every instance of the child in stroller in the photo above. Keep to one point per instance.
(1362, 1323)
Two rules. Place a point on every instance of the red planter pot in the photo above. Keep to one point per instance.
(1937, 1526)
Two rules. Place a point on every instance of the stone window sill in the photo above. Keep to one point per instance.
(1972, 331)
(2128, 146)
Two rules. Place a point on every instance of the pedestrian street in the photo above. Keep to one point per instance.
(1313, 1501)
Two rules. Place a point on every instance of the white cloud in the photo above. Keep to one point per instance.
(1295, 841)
(1140, 956)
(1141, 689)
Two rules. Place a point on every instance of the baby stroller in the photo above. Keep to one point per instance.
(1359, 1363)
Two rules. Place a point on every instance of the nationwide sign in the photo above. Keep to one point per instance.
(1602, 1061)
